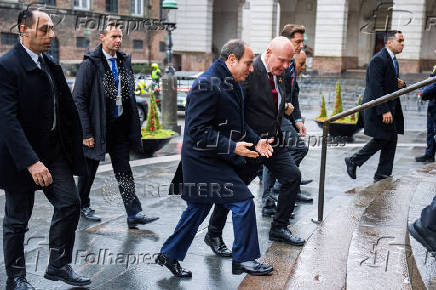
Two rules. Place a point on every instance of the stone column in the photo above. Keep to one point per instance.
(330, 36)
(409, 16)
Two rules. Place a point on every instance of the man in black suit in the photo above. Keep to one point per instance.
(385, 121)
(40, 148)
(265, 105)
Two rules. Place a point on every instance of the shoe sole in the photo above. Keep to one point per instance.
(133, 225)
(175, 275)
(241, 271)
(347, 160)
(219, 255)
(419, 238)
(53, 278)
(90, 219)
(285, 241)
(306, 201)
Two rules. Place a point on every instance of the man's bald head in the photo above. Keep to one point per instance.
(300, 62)
(279, 54)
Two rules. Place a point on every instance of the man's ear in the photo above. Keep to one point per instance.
(232, 58)
(22, 29)
(101, 36)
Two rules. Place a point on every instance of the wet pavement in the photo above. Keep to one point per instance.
(118, 258)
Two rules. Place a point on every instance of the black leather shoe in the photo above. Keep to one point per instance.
(268, 211)
(218, 246)
(18, 283)
(380, 177)
(89, 214)
(284, 235)
(173, 266)
(424, 158)
(305, 181)
(251, 267)
(67, 275)
(423, 235)
(303, 198)
(351, 167)
(139, 219)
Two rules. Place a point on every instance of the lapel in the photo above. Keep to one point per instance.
(390, 62)
(282, 91)
(262, 80)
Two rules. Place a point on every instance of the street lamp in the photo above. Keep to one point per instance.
(170, 24)
(169, 80)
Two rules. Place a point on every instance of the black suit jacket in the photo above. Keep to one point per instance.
(261, 113)
(381, 79)
(26, 118)
(293, 91)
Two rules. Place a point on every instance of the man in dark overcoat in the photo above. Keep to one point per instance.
(40, 148)
(214, 145)
(385, 121)
(105, 98)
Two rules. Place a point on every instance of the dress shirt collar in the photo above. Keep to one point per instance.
(33, 55)
(390, 53)
(262, 57)
(107, 55)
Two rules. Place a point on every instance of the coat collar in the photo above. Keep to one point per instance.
(385, 53)
(24, 58)
(27, 61)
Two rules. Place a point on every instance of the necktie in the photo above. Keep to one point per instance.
(45, 69)
(273, 88)
(118, 102)
(397, 70)
(114, 70)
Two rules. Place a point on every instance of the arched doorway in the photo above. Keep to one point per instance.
(301, 12)
(428, 52)
(227, 23)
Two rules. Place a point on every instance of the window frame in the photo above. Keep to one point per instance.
(80, 6)
(134, 6)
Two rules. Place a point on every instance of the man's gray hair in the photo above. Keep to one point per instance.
(234, 46)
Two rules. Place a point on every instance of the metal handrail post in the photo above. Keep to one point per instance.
(325, 131)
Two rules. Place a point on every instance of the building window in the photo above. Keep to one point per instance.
(137, 7)
(48, 2)
(112, 6)
(82, 42)
(138, 44)
(81, 4)
(9, 38)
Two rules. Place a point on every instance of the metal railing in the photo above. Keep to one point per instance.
(359, 108)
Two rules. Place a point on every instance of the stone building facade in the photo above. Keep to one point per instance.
(341, 34)
(77, 25)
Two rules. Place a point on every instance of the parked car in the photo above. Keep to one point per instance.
(184, 85)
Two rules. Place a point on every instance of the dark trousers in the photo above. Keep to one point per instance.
(387, 153)
(298, 150)
(245, 246)
(431, 129)
(62, 194)
(282, 165)
(118, 147)
(428, 215)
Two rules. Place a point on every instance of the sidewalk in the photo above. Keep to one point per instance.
(118, 258)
